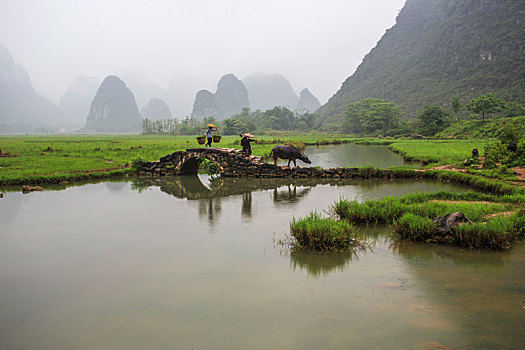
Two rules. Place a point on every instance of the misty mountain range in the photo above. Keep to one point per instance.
(85, 103)
(436, 51)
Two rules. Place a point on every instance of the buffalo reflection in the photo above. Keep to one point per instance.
(289, 195)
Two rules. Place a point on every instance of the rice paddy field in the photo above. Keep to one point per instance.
(55, 158)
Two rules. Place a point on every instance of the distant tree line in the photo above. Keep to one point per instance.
(377, 117)
(277, 118)
(368, 117)
(186, 126)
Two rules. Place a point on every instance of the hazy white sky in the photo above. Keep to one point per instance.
(314, 43)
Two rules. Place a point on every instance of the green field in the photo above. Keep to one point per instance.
(438, 151)
(435, 152)
(55, 158)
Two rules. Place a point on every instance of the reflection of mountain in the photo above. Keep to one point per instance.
(479, 290)
(318, 265)
(116, 187)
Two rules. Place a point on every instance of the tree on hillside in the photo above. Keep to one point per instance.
(371, 116)
(488, 103)
(513, 109)
(455, 104)
(432, 120)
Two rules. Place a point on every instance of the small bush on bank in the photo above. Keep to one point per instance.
(319, 234)
(137, 163)
(497, 155)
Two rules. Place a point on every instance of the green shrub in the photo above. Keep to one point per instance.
(495, 234)
(498, 156)
(319, 234)
(137, 163)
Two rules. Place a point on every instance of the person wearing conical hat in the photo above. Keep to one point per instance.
(208, 133)
(245, 143)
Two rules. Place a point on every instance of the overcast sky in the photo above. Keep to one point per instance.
(314, 43)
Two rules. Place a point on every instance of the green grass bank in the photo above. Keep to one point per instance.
(494, 222)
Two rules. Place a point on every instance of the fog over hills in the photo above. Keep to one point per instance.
(270, 90)
(76, 101)
(314, 44)
(155, 110)
(307, 103)
(230, 98)
(21, 107)
(143, 88)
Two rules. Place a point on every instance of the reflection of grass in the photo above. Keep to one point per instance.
(318, 265)
(318, 234)
(411, 217)
(478, 259)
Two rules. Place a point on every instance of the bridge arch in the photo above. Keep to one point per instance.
(189, 164)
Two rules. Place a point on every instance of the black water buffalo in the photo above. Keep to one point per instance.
(288, 152)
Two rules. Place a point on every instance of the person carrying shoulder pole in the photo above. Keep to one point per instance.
(247, 138)
(208, 133)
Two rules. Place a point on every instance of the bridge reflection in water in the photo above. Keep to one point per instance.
(285, 191)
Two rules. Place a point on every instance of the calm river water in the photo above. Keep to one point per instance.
(175, 264)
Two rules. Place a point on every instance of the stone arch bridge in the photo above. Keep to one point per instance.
(231, 162)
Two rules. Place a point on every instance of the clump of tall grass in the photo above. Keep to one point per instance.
(497, 233)
(413, 227)
(370, 212)
(319, 234)
(412, 217)
(387, 210)
(367, 171)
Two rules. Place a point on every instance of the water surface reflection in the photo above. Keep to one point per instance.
(172, 262)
